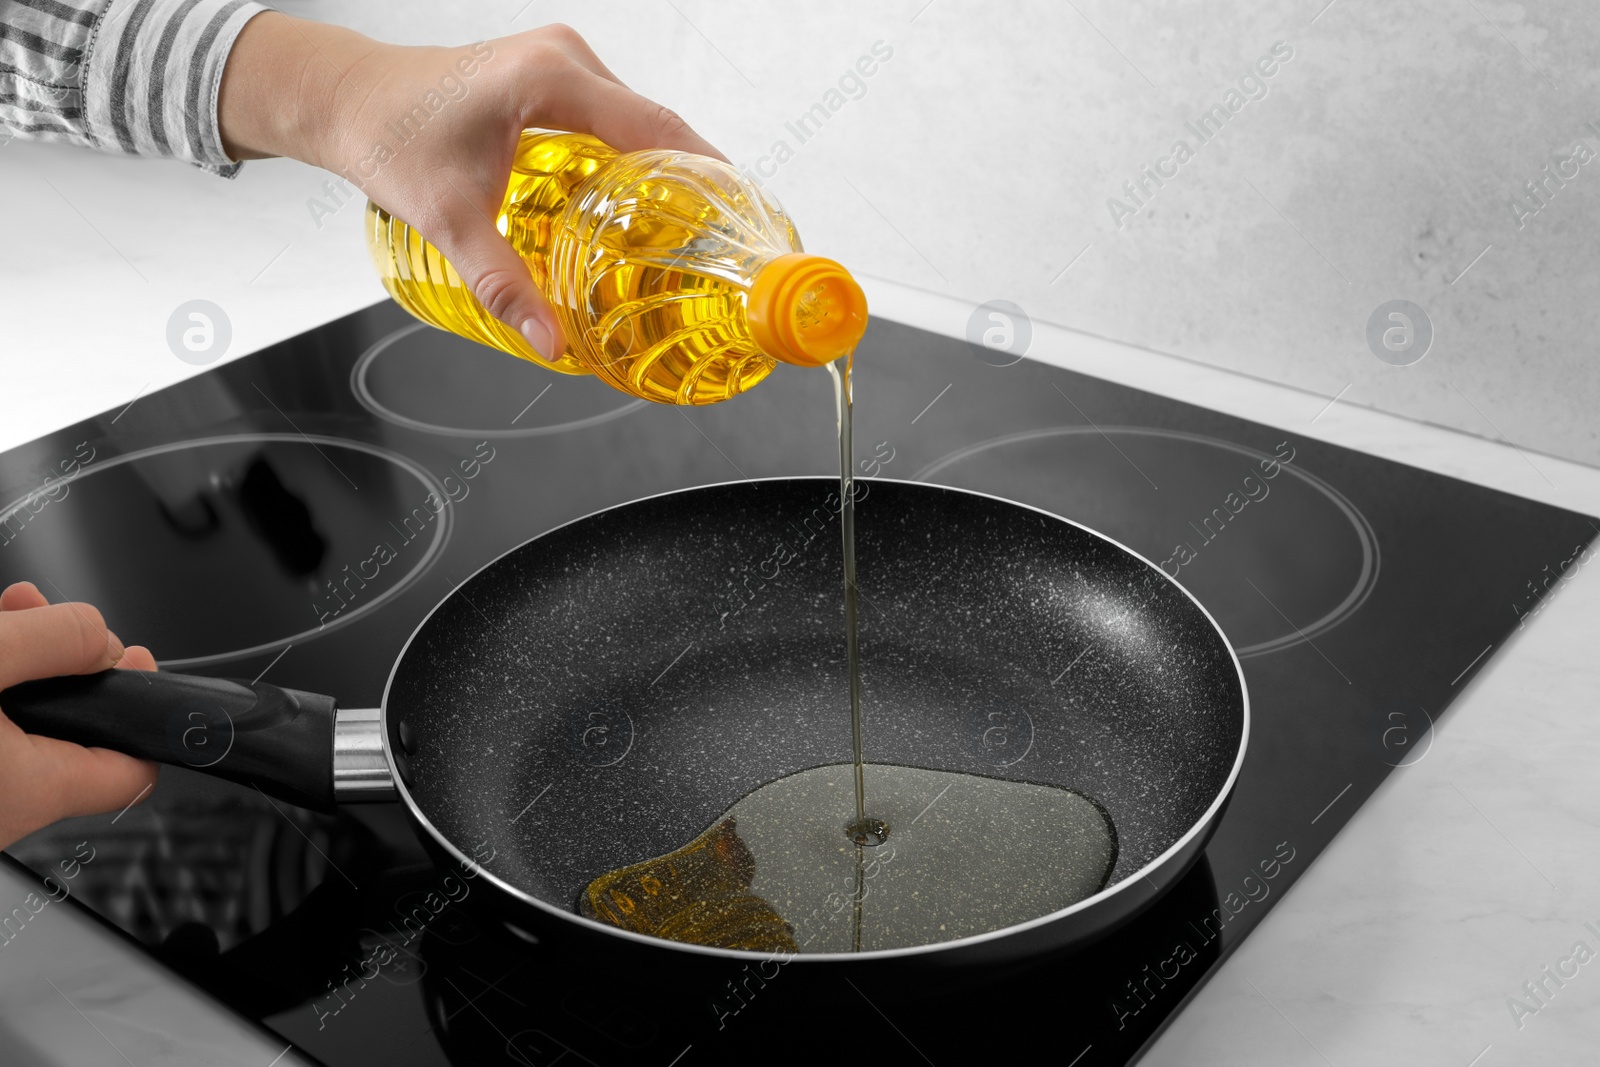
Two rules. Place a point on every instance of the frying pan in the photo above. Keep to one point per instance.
(602, 693)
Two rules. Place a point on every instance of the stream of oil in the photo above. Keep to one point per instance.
(865, 831)
(969, 854)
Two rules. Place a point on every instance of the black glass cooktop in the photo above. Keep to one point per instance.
(233, 524)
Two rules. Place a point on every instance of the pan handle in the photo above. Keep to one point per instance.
(279, 740)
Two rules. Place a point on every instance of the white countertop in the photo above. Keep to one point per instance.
(61, 969)
(1456, 883)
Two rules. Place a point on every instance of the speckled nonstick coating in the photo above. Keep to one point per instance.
(600, 694)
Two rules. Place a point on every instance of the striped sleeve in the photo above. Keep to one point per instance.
(140, 77)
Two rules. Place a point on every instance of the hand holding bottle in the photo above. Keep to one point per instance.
(674, 277)
(429, 134)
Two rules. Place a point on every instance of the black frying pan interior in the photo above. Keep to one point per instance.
(601, 694)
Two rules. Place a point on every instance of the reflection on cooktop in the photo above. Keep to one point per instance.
(194, 870)
(492, 997)
(1275, 553)
(425, 379)
(174, 540)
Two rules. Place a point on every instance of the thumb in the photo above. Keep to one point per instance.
(498, 279)
(62, 780)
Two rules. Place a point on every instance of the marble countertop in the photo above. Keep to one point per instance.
(1406, 942)
(77, 995)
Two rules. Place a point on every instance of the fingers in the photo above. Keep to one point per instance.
(53, 639)
(500, 281)
(618, 116)
(22, 596)
(69, 780)
(137, 658)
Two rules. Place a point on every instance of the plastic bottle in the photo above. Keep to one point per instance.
(676, 279)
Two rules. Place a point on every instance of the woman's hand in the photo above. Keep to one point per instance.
(429, 134)
(42, 779)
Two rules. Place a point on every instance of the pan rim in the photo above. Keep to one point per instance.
(1201, 825)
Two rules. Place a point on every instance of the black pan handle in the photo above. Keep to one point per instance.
(280, 740)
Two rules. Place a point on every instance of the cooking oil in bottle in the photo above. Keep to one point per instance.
(675, 278)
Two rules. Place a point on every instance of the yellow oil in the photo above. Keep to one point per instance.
(648, 259)
(699, 894)
(969, 855)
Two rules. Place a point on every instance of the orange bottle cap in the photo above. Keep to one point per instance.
(806, 310)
